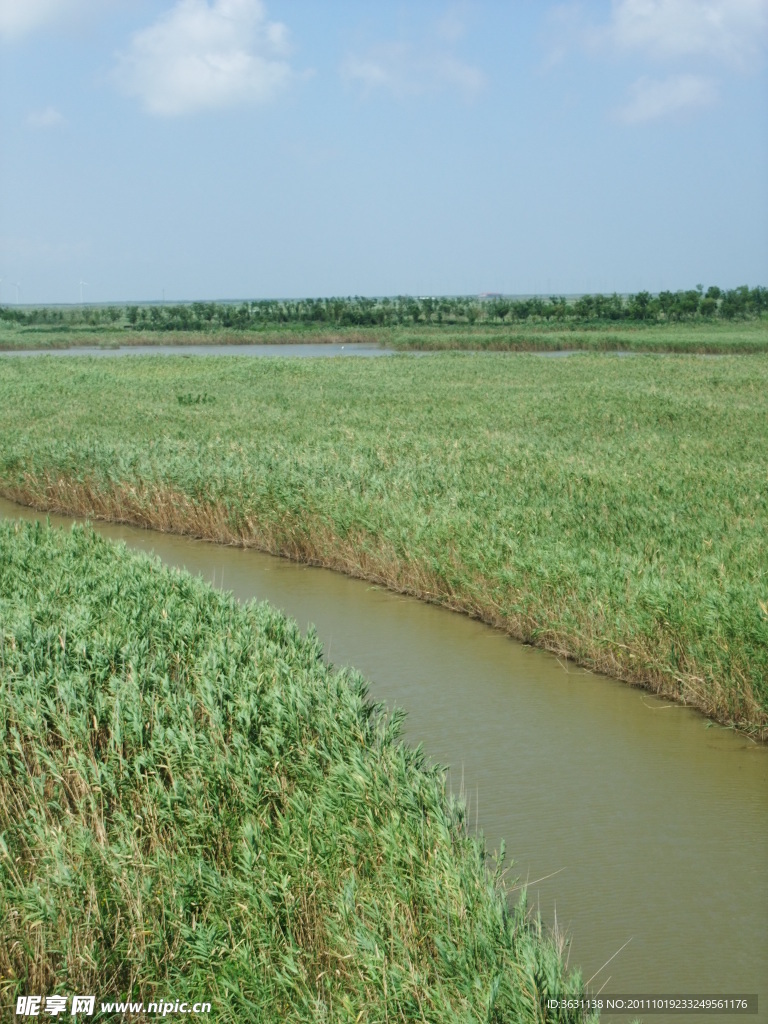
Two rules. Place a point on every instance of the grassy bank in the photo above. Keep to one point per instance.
(702, 337)
(612, 510)
(194, 806)
(740, 338)
(18, 338)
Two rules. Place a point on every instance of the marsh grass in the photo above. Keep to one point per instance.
(702, 337)
(15, 337)
(192, 803)
(611, 510)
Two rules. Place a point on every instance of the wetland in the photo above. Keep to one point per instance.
(609, 511)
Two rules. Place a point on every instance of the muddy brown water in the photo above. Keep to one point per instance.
(651, 822)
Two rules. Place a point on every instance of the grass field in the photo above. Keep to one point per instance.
(614, 510)
(711, 337)
(192, 804)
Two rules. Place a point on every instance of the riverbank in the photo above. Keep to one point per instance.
(594, 827)
(610, 510)
(739, 337)
(199, 806)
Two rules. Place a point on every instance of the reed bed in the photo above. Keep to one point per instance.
(702, 338)
(613, 510)
(194, 804)
(693, 337)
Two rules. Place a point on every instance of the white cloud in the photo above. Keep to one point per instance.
(451, 26)
(50, 117)
(651, 98)
(20, 17)
(733, 31)
(565, 26)
(692, 37)
(401, 70)
(407, 68)
(202, 56)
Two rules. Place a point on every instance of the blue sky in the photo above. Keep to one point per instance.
(193, 149)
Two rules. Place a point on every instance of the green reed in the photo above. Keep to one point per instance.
(193, 804)
(742, 336)
(610, 509)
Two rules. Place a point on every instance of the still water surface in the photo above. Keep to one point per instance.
(289, 351)
(301, 350)
(653, 825)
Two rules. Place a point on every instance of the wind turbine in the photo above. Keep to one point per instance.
(83, 284)
(17, 286)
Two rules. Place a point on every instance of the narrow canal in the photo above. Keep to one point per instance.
(640, 826)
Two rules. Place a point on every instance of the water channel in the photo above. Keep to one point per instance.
(651, 822)
(298, 350)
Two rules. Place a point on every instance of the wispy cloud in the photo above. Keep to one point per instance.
(49, 117)
(733, 31)
(651, 98)
(202, 56)
(452, 25)
(22, 17)
(401, 70)
(566, 29)
(405, 68)
(697, 40)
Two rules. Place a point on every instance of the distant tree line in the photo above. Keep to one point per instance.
(643, 307)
